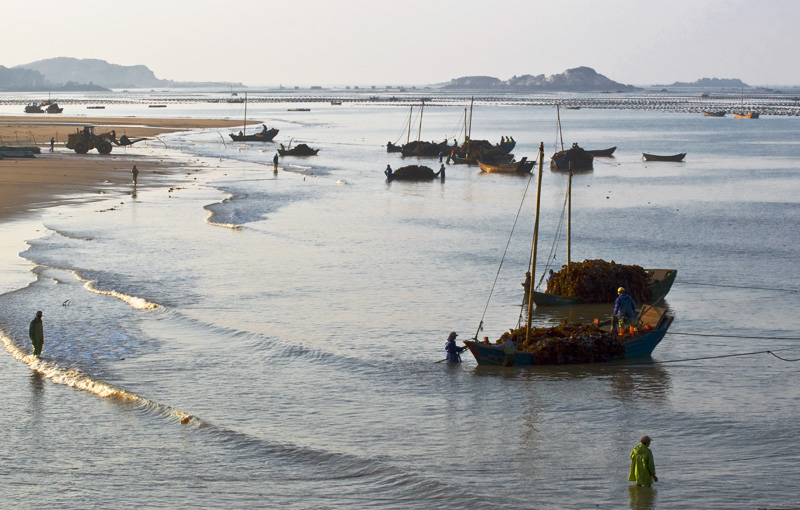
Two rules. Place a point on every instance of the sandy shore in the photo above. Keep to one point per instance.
(27, 184)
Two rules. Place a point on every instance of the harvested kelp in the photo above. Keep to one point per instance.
(424, 149)
(299, 150)
(568, 343)
(597, 281)
(413, 173)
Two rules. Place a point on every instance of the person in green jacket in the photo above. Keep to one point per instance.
(36, 332)
(643, 467)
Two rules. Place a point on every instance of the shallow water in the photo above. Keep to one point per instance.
(298, 318)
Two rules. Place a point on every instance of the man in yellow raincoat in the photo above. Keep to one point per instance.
(643, 467)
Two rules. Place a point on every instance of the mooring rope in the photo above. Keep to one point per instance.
(735, 286)
(505, 252)
(771, 352)
(737, 336)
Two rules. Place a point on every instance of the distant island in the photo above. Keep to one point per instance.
(72, 74)
(579, 79)
(716, 83)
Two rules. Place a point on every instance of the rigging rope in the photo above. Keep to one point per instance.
(735, 286)
(503, 258)
(556, 239)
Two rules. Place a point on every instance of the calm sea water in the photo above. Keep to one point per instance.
(298, 317)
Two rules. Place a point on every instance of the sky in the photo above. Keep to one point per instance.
(415, 42)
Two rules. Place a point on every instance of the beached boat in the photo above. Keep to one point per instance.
(522, 166)
(656, 157)
(52, 107)
(265, 135)
(570, 343)
(713, 114)
(572, 159)
(602, 153)
(34, 108)
(298, 150)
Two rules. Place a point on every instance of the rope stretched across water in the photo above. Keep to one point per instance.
(771, 352)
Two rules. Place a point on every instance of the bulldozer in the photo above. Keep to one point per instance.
(84, 140)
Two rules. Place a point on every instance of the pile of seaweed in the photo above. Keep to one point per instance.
(424, 149)
(569, 343)
(302, 150)
(414, 173)
(482, 150)
(597, 281)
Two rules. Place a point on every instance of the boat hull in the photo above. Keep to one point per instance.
(659, 282)
(748, 115)
(713, 114)
(639, 346)
(656, 157)
(603, 153)
(520, 167)
(263, 136)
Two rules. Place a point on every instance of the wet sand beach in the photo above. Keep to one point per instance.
(49, 177)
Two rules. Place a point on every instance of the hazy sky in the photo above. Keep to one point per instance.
(415, 42)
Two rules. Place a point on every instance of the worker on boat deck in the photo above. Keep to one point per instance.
(624, 309)
(453, 351)
(643, 467)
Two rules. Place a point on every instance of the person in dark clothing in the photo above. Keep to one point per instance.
(275, 162)
(440, 173)
(453, 351)
(388, 172)
(624, 309)
(36, 332)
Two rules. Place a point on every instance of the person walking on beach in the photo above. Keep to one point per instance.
(52, 143)
(36, 332)
(453, 351)
(643, 467)
(275, 162)
(624, 309)
(135, 173)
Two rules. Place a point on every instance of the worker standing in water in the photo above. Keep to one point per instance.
(643, 467)
(36, 332)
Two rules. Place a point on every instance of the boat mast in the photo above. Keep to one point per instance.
(465, 124)
(408, 137)
(469, 137)
(244, 129)
(422, 109)
(533, 248)
(569, 222)
(558, 116)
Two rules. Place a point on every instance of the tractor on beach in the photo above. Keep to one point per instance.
(84, 140)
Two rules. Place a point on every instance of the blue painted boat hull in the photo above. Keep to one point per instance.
(637, 347)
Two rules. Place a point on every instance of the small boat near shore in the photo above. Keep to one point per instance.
(522, 166)
(748, 115)
(298, 150)
(656, 157)
(707, 113)
(602, 153)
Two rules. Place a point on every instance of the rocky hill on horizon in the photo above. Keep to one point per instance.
(579, 79)
(67, 73)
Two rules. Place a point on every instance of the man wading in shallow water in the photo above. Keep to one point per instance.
(36, 332)
(643, 467)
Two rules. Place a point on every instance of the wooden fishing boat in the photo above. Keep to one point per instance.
(570, 343)
(522, 166)
(54, 108)
(34, 108)
(265, 135)
(298, 150)
(655, 157)
(748, 115)
(659, 281)
(413, 173)
(602, 153)
(574, 158)
(713, 114)
(652, 325)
